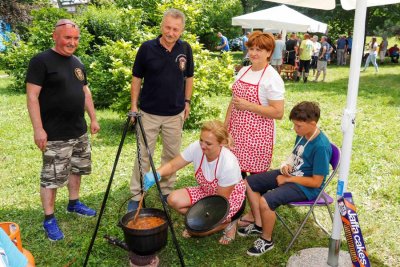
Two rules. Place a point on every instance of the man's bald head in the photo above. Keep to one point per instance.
(66, 37)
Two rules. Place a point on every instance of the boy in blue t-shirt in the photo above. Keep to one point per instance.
(300, 177)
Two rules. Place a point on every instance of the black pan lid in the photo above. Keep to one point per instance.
(207, 213)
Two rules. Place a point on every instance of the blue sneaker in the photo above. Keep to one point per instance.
(81, 209)
(52, 230)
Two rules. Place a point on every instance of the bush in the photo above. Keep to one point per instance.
(109, 57)
(213, 77)
(113, 23)
(15, 61)
(40, 33)
(110, 73)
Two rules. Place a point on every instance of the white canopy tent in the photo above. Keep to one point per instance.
(349, 113)
(280, 18)
(331, 4)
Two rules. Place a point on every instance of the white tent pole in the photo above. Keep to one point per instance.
(284, 33)
(348, 124)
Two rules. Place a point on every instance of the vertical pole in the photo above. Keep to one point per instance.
(348, 124)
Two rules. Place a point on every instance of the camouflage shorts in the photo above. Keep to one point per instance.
(62, 158)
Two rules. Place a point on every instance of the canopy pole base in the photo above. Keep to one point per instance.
(317, 257)
(333, 254)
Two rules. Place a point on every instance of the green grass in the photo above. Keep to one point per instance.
(373, 180)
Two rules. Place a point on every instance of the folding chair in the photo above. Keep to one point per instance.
(323, 199)
(13, 232)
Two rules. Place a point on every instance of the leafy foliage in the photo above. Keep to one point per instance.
(203, 18)
(212, 78)
(150, 6)
(16, 59)
(17, 11)
(110, 38)
(110, 77)
(110, 74)
(382, 17)
(220, 15)
(112, 23)
(14, 62)
(43, 24)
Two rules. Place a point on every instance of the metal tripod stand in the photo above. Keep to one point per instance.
(138, 121)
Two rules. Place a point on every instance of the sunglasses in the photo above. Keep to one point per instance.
(67, 23)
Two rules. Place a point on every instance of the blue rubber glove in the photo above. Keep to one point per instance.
(149, 180)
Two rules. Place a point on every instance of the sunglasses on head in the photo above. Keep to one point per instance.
(67, 23)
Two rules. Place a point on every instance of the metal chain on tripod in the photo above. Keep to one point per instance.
(139, 154)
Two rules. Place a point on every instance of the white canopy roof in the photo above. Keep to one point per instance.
(281, 18)
(331, 4)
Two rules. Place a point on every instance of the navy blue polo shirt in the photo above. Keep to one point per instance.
(163, 75)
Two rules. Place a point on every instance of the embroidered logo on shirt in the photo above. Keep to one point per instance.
(79, 74)
(181, 60)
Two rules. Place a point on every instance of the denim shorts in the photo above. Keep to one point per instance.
(265, 183)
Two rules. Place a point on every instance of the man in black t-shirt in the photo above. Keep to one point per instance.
(165, 65)
(291, 49)
(57, 97)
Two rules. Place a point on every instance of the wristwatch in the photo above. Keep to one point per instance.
(187, 101)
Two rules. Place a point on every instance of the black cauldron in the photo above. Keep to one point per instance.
(145, 241)
(206, 214)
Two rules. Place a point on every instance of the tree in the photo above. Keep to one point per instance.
(384, 20)
(110, 38)
(17, 13)
(380, 20)
(14, 11)
(204, 18)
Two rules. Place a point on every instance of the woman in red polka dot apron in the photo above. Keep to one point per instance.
(217, 172)
(257, 100)
(253, 134)
(207, 188)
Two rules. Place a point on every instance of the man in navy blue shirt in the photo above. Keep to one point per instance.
(341, 49)
(165, 66)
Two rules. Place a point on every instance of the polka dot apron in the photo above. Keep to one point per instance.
(253, 134)
(207, 188)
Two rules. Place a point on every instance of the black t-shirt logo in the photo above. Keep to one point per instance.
(181, 59)
(79, 74)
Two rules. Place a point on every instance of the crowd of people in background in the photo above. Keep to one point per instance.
(289, 52)
(308, 53)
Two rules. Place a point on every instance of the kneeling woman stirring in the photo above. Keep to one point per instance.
(217, 172)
